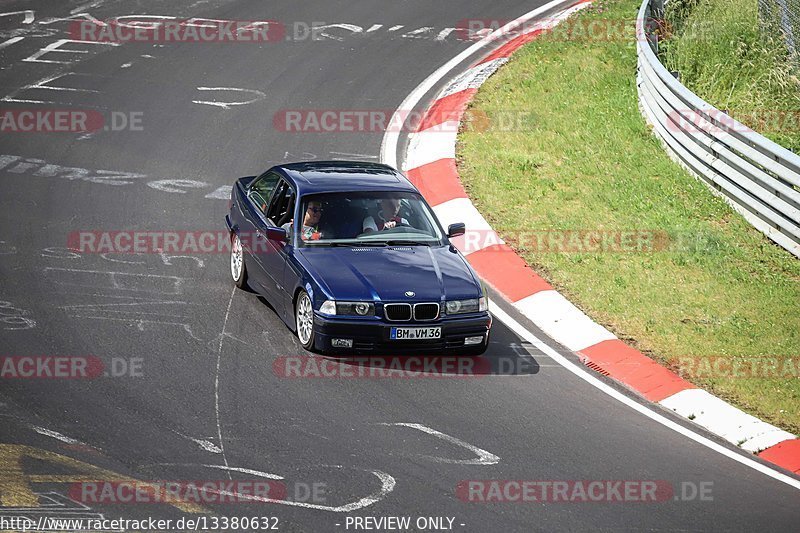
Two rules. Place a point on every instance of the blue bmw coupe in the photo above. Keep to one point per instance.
(353, 260)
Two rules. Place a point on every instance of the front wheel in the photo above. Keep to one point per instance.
(304, 320)
(238, 269)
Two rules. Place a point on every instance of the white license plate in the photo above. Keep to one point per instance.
(415, 334)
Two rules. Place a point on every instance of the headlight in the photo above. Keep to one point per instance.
(355, 308)
(330, 307)
(474, 305)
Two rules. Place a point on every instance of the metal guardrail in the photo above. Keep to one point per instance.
(758, 178)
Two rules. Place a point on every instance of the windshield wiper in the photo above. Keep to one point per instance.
(399, 242)
(356, 244)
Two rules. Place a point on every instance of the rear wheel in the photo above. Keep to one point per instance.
(304, 320)
(238, 269)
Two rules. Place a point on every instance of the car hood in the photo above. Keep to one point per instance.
(387, 273)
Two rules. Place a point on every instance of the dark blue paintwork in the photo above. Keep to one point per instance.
(279, 271)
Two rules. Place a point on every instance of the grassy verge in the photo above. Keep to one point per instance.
(586, 160)
(723, 56)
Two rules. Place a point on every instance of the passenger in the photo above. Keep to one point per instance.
(310, 231)
(387, 218)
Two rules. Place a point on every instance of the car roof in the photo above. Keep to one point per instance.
(343, 176)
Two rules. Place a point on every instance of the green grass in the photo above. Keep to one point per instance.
(586, 160)
(724, 57)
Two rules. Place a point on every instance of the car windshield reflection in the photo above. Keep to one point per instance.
(370, 218)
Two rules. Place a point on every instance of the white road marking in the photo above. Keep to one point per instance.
(29, 15)
(111, 259)
(56, 47)
(484, 457)
(352, 28)
(345, 156)
(176, 185)
(116, 279)
(257, 473)
(55, 434)
(10, 42)
(387, 485)
(167, 259)
(86, 6)
(222, 193)
(40, 168)
(419, 33)
(96, 307)
(42, 84)
(206, 445)
(216, 381)
(74, 16)
(228, 105)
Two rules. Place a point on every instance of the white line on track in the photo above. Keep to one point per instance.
(84, 7)
(389, 156)
(257, 473)
(484, 457)
(10, 42)
(216, 384)
(387, 485)
(55, 434)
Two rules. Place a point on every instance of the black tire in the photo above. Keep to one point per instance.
(238, 266)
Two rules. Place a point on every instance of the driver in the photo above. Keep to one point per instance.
(387, 217)
(310, 230)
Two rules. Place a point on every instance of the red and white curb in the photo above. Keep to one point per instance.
(430, 164)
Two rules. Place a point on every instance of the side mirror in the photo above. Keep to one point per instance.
(277, 234)
(454, 230)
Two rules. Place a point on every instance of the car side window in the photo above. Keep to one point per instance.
(281, 207)
(261, 189)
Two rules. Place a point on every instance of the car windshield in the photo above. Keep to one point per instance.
(374, 218)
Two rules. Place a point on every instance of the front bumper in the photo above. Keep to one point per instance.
(373, 336)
